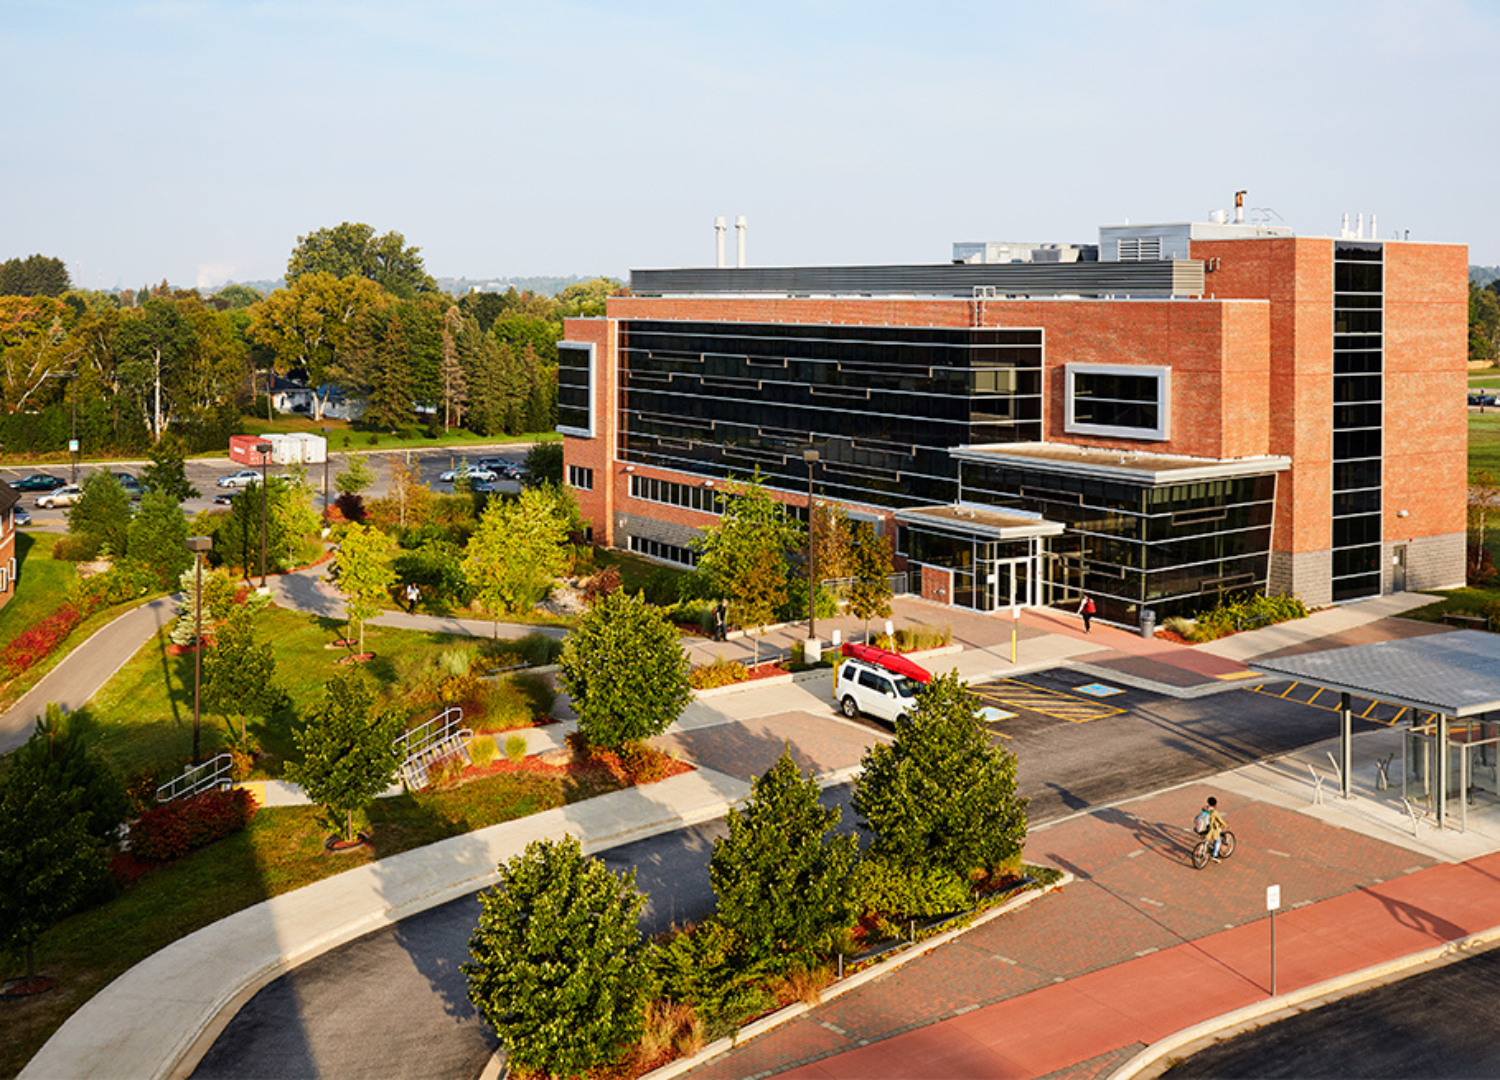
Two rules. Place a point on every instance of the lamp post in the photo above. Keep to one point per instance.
(811, 457)
(264, 450)
(197, 545)
(326, 430)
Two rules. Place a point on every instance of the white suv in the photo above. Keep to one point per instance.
(874, 691)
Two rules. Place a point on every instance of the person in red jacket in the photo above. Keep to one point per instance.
(1086, 609)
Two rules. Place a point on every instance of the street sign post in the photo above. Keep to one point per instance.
(1273, 901)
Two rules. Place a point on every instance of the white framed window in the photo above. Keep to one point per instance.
(575, 389)
(580, 478)
(1118, 401)
(4, 580)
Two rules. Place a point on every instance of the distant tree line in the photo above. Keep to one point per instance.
(358, 312)
(1484, 321)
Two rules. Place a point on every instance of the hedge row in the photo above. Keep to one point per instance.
(173, 829)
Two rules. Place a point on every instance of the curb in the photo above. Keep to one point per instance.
(881, 967)
(1330, 988)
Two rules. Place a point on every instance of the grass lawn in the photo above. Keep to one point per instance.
(636, 574)
(1484, 443)
(42, 583)
(342, 435)
(144, 715)
(280, 851)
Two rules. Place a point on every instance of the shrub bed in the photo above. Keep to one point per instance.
(720, 673)
(173, 829)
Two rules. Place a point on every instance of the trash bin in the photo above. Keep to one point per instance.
(1148, 622)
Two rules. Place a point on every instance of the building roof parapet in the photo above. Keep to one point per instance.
(1158, 279)
(1130, 466)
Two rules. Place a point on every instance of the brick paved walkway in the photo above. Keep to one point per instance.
(1142, 942)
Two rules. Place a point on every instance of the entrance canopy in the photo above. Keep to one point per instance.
(1455, 674)
(1451, 676)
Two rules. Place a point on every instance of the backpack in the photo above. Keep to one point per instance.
(1201, 823)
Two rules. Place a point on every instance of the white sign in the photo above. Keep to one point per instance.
(1015, 612)
(72, 446)
(1273, 897)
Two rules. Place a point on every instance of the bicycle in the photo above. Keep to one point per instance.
(1201, 855)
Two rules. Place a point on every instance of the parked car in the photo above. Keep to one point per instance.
(1482, 399)
(473, 472)
(66, 495)
(131, 485)
(874, 691)
(225, 499)
(22, 517)
(243, 478)
(39, 481)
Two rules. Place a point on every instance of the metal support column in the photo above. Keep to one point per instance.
(1346, 747)
(1442, 771)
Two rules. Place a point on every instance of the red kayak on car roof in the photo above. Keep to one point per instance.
(892, 662)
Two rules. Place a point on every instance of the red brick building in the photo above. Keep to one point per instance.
(9, 500)
(1183, 412)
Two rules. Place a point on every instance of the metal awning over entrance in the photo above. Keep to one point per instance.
(1452, 676)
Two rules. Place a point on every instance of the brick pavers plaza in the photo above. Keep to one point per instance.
(1050, 976)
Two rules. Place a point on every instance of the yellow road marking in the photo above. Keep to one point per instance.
(1053, 703)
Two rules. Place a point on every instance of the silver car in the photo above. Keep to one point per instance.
(66, 495)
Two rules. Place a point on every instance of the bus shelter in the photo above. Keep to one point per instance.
(1448, 686)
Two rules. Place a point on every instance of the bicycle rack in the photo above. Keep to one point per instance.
(1383, 772)
(1317, 785)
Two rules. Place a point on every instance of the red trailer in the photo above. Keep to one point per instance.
(242, 450)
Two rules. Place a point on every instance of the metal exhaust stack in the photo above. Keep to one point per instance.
(739, 237)
(720, 228)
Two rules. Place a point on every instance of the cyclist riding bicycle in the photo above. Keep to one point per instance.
(1210, 825)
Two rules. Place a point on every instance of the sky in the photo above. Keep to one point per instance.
(196, 140)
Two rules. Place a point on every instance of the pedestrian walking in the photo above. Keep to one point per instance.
(1086, 609)
(413, 597)
(719, 621)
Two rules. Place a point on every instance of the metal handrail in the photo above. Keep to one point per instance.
(198, 778)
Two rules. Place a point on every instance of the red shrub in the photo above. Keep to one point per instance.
(34, 644)
(173, 829)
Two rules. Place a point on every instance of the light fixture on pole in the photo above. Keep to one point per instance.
(197, 545)
(264, 450)
(811, 457)
(326, 430)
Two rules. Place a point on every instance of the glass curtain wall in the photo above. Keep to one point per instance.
(1358, 396)
(881, 404)
(1177, 549)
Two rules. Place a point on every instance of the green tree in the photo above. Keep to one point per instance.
(869, 593)
(557, 964)
(544, 464)
(289, 517)
(157, 537)
(1484, 324)
(218, 599)
(235, 297)
(942, 795)
(454, 387)
(365, 574)
(49, 864)
(517, 552)
(167, 471)
(355, 477)
(311, 325)
(239, 673)
(587, 298)
(35, 275)
(348, 751)
(62, 752)
(100, 518)
(352, 249)
(625, 669)
(781, 879)
(744, 557)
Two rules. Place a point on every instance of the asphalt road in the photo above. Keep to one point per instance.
(202, 474)
(397, 995)
(1440, 1023)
